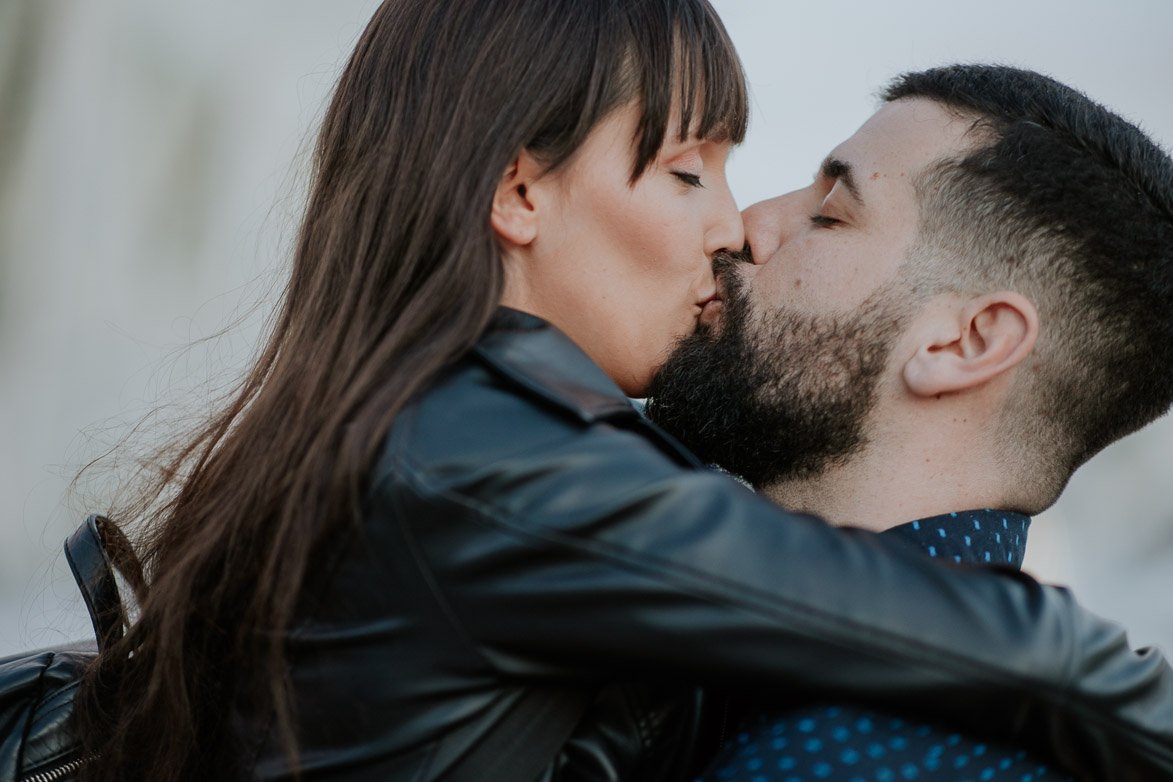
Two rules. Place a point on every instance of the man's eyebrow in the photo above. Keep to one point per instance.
(842, 171)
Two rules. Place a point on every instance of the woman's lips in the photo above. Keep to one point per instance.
(710, 310)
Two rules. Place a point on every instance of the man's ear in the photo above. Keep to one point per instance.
(514, 217)
(985, 337)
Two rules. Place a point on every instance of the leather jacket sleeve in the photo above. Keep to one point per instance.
(594, 549)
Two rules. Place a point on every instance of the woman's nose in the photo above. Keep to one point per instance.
(726, 231)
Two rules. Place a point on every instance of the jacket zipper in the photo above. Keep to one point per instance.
(58, 773)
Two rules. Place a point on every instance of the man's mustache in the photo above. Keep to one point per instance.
(726, 261)
(725, 267)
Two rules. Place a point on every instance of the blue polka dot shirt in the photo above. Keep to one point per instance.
(847, 744)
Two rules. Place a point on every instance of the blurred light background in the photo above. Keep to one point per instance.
(150, 169)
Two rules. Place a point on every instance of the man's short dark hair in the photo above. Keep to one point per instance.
(1072, 206)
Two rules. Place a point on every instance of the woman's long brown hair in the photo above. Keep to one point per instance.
(395, 274)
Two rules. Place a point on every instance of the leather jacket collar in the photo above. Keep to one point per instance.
(540, 358)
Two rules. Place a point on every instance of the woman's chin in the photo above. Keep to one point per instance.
(637, 388)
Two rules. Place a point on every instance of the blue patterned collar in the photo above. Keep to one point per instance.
(976, 537)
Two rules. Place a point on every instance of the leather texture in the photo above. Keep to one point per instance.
(526, 528)
(37, 689)
(36, 703)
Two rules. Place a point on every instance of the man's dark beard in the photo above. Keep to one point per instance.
(781, 398)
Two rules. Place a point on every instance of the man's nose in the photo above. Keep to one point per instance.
(765, 226)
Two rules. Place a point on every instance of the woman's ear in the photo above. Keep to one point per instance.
(514, 217)
(968, 346)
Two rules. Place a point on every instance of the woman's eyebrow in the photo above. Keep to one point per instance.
(842, 171)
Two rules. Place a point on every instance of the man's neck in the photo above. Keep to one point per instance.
(888, 484)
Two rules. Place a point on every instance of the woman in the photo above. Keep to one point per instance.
(429, 529)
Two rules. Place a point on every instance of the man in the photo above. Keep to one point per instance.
(971, 299)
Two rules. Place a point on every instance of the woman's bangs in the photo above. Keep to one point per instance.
(707, 91)
(707, 67)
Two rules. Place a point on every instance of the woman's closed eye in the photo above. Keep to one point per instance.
(824, 221)
(692, 180)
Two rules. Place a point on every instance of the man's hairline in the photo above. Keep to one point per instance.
(963, 284)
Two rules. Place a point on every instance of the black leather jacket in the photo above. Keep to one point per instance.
(525, 527)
